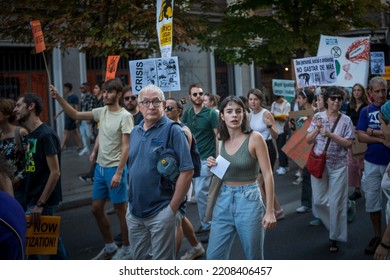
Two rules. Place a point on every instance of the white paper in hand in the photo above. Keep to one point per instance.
(220, 169)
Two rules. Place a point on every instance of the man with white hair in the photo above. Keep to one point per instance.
(155, 204)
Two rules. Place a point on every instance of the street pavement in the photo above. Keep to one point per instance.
(292, 239)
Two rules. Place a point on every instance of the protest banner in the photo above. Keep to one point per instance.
(42, 239)
(112, 64)
(164, 27)
(315, 71)
(377, 62)
(162, 72)
(351, 56)
(298, 118)
(296, 147)
(284, 88)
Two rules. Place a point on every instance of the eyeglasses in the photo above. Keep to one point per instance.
(169, 108)
(155, 102)
(333, 98)
(127, 98)
(195, 94)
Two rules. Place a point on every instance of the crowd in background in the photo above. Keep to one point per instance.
(246, 131)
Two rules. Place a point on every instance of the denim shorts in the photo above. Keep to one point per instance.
(102, 181)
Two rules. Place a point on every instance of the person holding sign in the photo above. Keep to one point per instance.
(110, 177)
(330, 192)
(239, 208)
(43, 161)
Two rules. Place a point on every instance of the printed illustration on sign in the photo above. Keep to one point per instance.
(166, 10)
(38, 36)
(162, 72)
(112, 64)
(351, 56)
(167, 72)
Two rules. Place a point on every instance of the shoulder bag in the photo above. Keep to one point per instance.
(316, 163)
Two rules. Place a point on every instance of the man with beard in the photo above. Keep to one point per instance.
(115, 125)
(43, 160)
(202, 121)
(130, 103)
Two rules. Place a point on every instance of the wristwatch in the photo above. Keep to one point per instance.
(269, 126)
(40, 203)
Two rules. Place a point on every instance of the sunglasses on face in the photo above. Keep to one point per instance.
(195, 94)
(169, 108)
(127, 98)
(333, 98)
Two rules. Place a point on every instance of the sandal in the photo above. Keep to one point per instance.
(333, 248)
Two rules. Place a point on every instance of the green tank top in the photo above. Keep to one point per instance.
(243, 167)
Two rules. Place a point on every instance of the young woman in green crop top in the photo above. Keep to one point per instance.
(239, 208)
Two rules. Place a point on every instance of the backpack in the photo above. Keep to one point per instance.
(167, 164)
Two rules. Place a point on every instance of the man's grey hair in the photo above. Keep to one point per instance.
(151, 88)
(377, 80)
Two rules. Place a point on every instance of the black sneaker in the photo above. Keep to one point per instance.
(371, 248)
(200, 230)
(355, 196)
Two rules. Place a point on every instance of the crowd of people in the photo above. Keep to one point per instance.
(125, 135)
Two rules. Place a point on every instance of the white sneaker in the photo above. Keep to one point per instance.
(281, 171)
(122, 254)
(105, 255)
(298, 181)
(298, 173)
(194, 252)
(303, 209)
(84, 151)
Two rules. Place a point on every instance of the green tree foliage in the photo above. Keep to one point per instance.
(101, 27)
(277, 30)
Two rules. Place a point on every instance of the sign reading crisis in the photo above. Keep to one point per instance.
(42, 239)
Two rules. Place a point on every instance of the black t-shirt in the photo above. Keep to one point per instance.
(41, 142)
(353, 114)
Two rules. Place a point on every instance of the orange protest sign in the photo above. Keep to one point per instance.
(112, 64)
(38, 36)
(296, 147)
(43, 239)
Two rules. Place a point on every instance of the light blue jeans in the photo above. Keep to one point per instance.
(61, 251)
(238, 210)
(86, 133)
(201, 187)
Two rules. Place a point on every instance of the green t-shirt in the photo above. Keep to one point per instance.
(202, 126)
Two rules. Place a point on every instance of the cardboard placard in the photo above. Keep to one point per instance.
(112, 64)
(43, 239)
(296, 147)
(38, 36)
(298, 118)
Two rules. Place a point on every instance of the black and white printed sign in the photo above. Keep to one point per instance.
(315, 71)
(162, 72)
